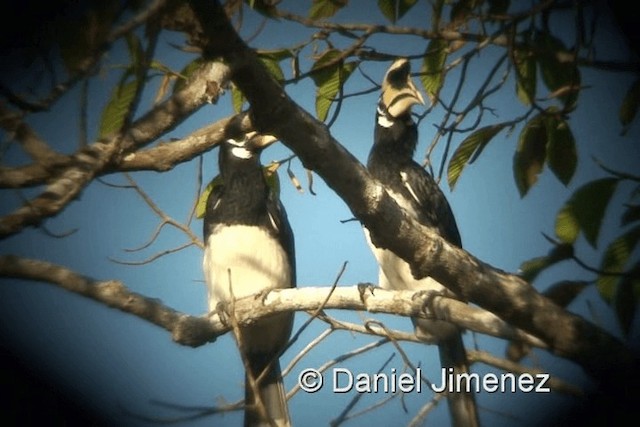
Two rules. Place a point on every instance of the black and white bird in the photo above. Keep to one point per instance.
(416, 192)
(249, 248)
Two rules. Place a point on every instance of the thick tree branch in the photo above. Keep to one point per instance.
(194, 331)
(557, 384)
(508, 296)
(160, 158)
(185, 329)
(166, 155)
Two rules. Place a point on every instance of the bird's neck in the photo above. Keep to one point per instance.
(245, 191)
(394, 144)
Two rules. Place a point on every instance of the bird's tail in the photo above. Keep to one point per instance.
(453, 359)
(272, 395)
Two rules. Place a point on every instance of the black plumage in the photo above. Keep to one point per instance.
(249, 248)
(414, 189)
(391, 162)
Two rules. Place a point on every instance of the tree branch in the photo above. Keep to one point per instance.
(508, 296)
(251, 309)
(86, 164)
(166, 155)
(185, 329)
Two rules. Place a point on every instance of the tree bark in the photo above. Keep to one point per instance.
(512, 299)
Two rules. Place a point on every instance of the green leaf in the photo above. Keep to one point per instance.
(614, 260)
(329, 80)
(584, 211)
(469, 150)
(326, 8)
(201, 206)
(263, 7)
(276, 54)
(567, 226)
(273, 180)
(393, 10)
(561, 149)
(320, 71)
(271, 60)
(273, 67)
(159, 66)
(432, 71)
(529, 270)
(630, 105)
(626, 302)
(530, 154)
(117, 108)
(237, 98)
(559, 71)
(136, 53)
(564, 292)
(525, 64)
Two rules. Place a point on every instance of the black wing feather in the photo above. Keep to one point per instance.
(432, 207)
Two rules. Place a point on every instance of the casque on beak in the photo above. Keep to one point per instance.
(399, 93)
(258, 142)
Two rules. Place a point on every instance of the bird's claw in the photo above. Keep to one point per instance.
(363, 288)
(426, 298)
(222, 311)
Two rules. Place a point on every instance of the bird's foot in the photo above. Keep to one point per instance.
(426, 299)
(222, 311)
(364, 289)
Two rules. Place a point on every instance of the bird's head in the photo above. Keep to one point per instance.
(249, 145)
(399, 93)
(242, 143)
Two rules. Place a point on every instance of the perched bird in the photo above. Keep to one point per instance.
(249, 248)
(415, 191)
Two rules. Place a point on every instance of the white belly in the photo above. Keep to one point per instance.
(241, 260)
(395, 273)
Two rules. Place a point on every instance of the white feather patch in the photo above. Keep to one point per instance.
(405, 181)
(243, 260)
(383, 120)
(239, 149)
(273, 222)
(395, 273)
(241, 153)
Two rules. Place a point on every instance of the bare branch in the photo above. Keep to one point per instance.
(554, 383)
(166, 155)
(185, 329)
(514, 300)
(94, 159)
(247, 311)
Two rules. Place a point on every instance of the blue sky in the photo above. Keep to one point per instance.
(113, 361)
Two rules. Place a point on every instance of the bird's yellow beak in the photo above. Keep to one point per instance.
(399, 92)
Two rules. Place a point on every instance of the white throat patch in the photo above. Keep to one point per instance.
(383, 120)
(239, 150)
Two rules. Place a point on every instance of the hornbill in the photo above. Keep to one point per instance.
(415, 191)
(249, 248)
